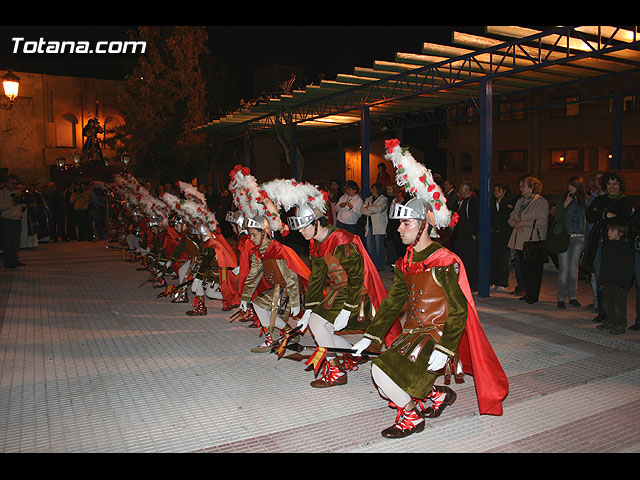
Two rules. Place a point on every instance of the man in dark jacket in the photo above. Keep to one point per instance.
(465, 235)
(607, 208)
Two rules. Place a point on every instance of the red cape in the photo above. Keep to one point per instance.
(171, 240)
(476, 354)
(277, 250)
(372, 280)
(226, 258)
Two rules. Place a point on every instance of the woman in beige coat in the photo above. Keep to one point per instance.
(529, 222)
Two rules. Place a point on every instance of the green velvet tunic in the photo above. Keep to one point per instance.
(347, 297)
(412, 376)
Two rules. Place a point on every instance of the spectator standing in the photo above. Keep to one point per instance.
(570, 215)
(95, 212)
(529, 221)
(72, 228)
(334, 195)
(465, 234)
(500, 233)
(348, 208)
(58, 213)
(80, 201)
(383, 177)
(634, 238)
(612, 206)
(616, 275)
(29, 231)
(375, 208)
(398, 249)
(451, 194)
(10, 222)
(595, 189)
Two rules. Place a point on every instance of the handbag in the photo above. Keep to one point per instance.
(557, 242)
(534, 250)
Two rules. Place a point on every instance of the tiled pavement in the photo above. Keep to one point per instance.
(92, 362)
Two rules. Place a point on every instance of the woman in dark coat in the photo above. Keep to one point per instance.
(612, 206)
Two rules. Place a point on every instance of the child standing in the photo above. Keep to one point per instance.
(616, 274)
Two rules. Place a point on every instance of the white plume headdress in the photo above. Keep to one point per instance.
(417, 180)
(252, 199)
(194, 207)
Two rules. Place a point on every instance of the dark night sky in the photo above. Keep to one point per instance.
(319, 49)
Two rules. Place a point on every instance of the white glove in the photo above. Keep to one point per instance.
(168, 264)
(243, 306)
(304, 321)
(295, 311)
(437, 361)
(361, 345)
(236, 270)
(341, 320)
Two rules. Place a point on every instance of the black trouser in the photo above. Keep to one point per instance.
(532, 272)
(500, 261)
(82, 222)
(10, 231)
(614, 303)
(467, 249)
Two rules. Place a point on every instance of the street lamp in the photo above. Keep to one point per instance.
(76, 158)
(10, 84)
(125, 159)
(61, 161)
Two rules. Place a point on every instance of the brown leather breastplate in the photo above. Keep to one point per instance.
(427, 305)
(272, 273)
(191, 247)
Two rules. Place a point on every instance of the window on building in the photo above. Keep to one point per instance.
(66, 126)
(628, 104)
(566, 159)
(631, 158)
(512, 160)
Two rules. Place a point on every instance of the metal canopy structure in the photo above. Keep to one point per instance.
(517, 61)
(522, 68)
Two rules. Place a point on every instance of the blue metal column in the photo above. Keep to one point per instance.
(294, 151)
(247, 150)
(616, 133)
(364, 152)
(485, 187)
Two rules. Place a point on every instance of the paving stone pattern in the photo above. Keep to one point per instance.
(90, 361)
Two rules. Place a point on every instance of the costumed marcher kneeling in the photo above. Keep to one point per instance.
(212, 266)
(442, 330)
(243, 248)
(344, 291)
(286, 274)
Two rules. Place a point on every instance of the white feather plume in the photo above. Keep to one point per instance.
(417, 180)
(290, 193)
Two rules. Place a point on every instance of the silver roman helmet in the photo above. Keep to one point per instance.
(201, 229)
(304, 216)
(236, 218)
(418, 209)
(415, 208)
(259, 222)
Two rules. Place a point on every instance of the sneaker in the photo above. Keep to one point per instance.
(574, 303)
(561, 305)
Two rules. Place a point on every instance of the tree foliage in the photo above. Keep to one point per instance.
(166, 97)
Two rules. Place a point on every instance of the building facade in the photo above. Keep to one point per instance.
(552, 144)
(47, 121)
